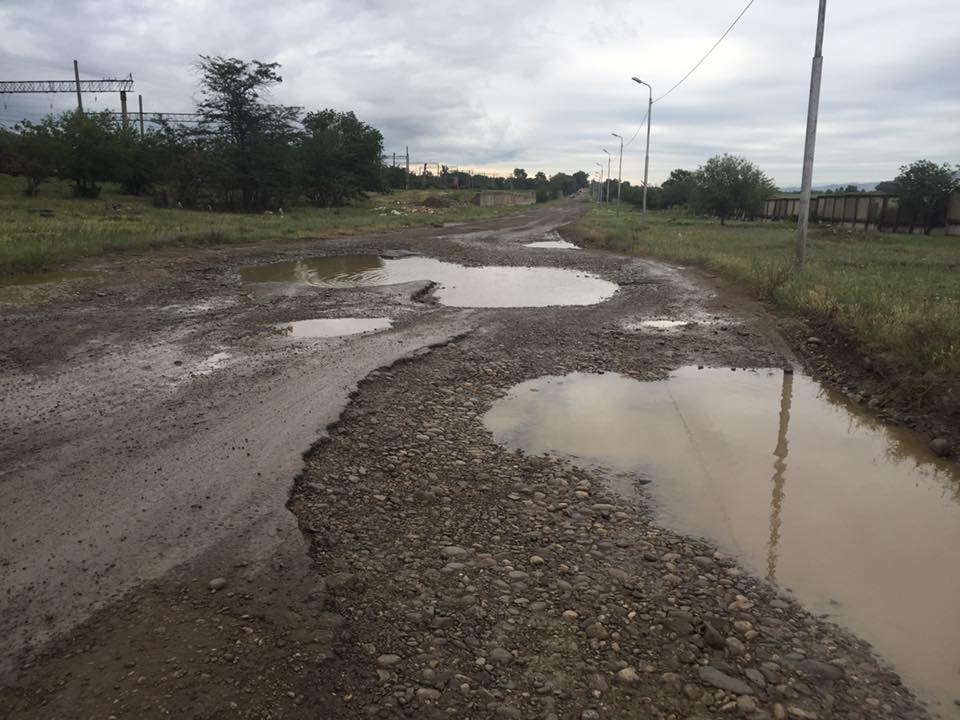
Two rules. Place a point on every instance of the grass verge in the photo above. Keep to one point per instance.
(53, 228)
(897, 295)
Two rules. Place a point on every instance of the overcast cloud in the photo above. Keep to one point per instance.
(541, 85)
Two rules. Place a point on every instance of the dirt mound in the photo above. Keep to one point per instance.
(436, 202)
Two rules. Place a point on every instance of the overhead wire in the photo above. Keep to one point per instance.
(694, 68)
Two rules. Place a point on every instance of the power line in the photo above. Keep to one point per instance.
(700, 62)
(693, 69)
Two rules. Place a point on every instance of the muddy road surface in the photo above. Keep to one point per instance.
(210, 508)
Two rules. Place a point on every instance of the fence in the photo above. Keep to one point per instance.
(505, 198)
(868, 210)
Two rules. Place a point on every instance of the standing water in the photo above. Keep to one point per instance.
(855, 517)
(458, 285)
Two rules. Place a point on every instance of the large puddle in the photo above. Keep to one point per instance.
(458, 285)
(334, 327)
(857, 518)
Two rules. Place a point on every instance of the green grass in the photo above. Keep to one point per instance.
(32, 241)
(892, 293)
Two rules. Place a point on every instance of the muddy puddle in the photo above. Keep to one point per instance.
(552, 245)
(46, 277)
(457, 285)
(856, 518)
(333, 327)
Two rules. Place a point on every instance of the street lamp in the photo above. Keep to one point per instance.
(646, 162)
(600, 184)
(608, 175)
(619, 172)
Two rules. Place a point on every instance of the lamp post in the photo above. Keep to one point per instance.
(646, 162)
(600, 184)
(619, 172)
(608, 175)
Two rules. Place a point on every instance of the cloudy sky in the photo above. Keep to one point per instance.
(541, 85)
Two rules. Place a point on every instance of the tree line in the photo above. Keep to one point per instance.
(244, 153)
(729, 186)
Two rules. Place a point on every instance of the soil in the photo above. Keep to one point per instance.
(169, 551)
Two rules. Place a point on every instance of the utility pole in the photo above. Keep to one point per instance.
(123, 109)
(76, 75)
(646, 161)
(813, 108)
(600, 184)
(406, 184)
(619, 172)
(140, 101)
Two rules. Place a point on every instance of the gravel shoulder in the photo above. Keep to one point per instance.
(419, 569)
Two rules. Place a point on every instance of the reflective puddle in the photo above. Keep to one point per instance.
(334, 327)
(48, 277)
(660, 324)
(552, 245)
(857, 518)
(458, 285)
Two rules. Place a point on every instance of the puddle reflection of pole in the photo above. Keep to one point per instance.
(779, 469)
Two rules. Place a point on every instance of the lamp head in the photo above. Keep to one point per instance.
(637, 80)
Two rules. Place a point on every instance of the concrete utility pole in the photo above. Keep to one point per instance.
(600, 184)
(407, 181)
(608, 175)
(813, 108)
(140, 101)
(619, 172)
(646, 162)
(76, 75)
(123, 109)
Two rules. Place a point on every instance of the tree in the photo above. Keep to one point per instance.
(729, 185)
(34, 152)
(251, 136)
(90, 152)
(678, 188)
(888, 186)
(581, 179)
(340, 155)
(925, 189)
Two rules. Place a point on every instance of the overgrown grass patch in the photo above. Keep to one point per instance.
(52, 228)
(893, 293)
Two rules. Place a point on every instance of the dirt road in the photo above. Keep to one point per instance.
(152, 429)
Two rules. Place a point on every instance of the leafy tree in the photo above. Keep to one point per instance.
(252, 136)
(91, 155)
(888, 186)
(678, 188)
(925, 189)
(34, 152)
(729, 185)
(341, 157)
(581, 179)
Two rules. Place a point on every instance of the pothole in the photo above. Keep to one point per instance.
(552, 245)
(333, 327)
(856, 517)
(457, 285)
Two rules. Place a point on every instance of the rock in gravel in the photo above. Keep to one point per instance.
(940, 447)
(746, 704)
(589, 715)
(711, 676)
(386, 661)
(217, 584)
(628, 676)
(500, 656)
(453, 551)
(818, 669)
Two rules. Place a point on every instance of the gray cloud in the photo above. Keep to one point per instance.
(502, 84)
